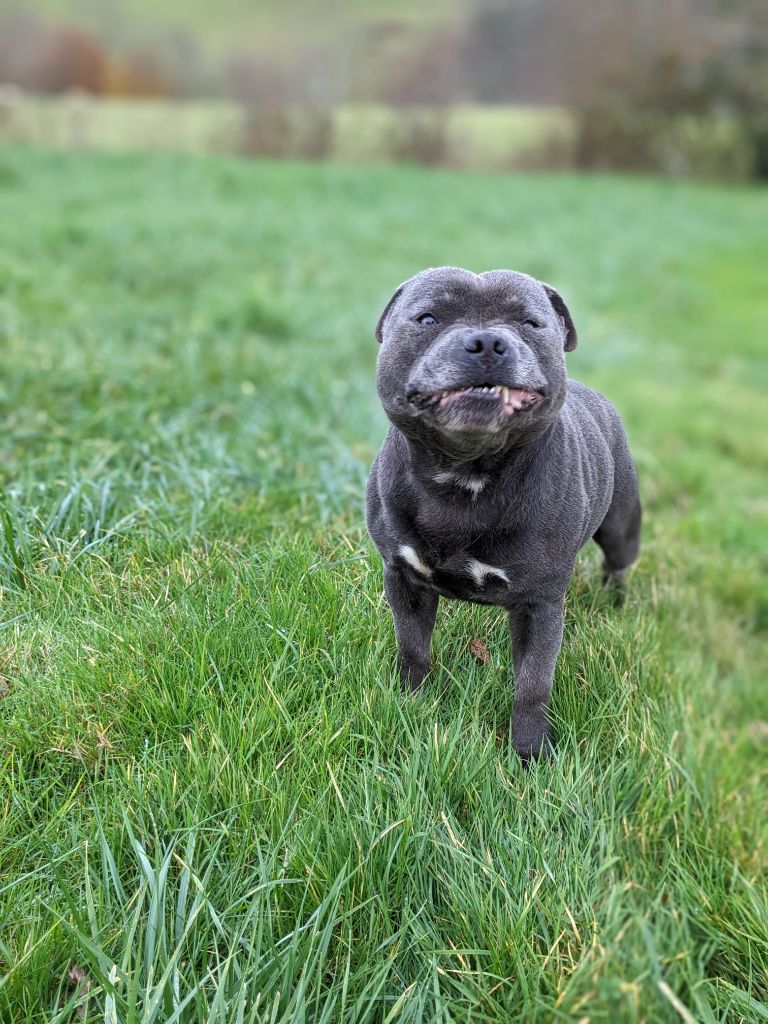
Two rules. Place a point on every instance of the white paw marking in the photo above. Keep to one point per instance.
(480, 570)
(411, 557)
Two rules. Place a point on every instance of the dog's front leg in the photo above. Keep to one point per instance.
(536, 629)
(414, 608)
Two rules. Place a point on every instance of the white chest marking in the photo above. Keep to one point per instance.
(480, 570)
(475, 484)
(411, 557)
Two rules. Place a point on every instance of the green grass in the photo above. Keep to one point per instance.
(216, 804)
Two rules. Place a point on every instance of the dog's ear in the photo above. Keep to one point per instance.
(382, 319)
(566, 319)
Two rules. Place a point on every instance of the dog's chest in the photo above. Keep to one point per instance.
(458, 574)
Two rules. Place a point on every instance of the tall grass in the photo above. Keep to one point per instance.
(216, 803)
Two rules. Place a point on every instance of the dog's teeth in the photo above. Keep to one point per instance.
(505, 394)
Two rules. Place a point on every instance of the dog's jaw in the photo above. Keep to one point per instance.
(495, 411)
(498, 397)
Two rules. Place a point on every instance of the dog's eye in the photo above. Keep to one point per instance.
(531, 323)
(427, 320)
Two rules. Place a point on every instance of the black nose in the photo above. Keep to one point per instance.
(486, 341)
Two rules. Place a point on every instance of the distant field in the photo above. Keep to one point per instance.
(474, 136)
(216, 804)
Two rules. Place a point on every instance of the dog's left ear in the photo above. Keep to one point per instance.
(566, 319)
(378, 333)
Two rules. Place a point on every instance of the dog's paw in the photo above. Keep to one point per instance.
(412, 676)
(616, 582)
(532, 736)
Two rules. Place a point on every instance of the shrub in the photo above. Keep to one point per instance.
(66, 58)
(419, 136)
(287, 131)
(700, 145)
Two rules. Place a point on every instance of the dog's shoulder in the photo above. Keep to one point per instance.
(390, 467)
(390, 483)
(585, 406)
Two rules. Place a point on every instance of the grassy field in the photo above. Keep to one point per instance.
(217, 806)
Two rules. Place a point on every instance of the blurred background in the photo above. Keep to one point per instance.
(672, 86)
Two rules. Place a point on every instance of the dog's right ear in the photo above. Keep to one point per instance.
(382, 319)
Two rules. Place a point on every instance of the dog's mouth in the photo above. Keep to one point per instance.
(497, 397)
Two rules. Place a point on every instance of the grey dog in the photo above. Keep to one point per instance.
(495, 471)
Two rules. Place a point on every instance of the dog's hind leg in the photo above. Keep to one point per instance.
(619, 533)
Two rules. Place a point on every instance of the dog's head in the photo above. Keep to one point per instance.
(473, 361)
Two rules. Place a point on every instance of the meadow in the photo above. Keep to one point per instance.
(217, 805)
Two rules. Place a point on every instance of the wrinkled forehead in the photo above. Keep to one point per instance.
(452, 287)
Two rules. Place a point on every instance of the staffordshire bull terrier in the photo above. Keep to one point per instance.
(495, 471)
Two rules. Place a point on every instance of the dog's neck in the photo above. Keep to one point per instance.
(472, 468)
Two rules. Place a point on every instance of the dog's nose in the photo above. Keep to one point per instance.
(486, 341)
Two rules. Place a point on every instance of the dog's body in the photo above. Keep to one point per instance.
(495, 472)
